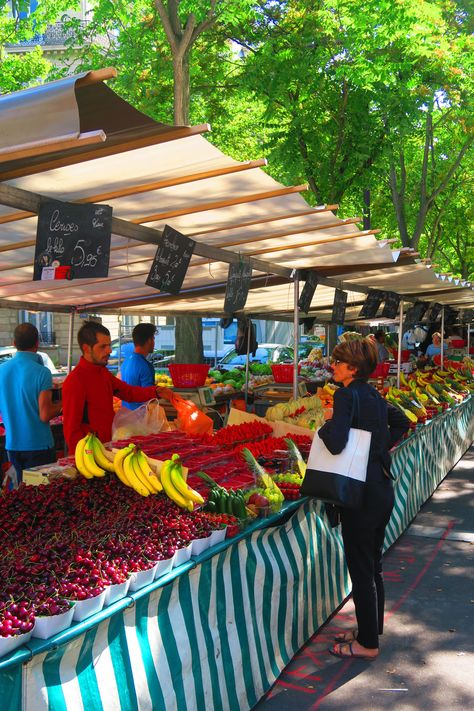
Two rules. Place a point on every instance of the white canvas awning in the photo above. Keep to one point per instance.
(152, 175)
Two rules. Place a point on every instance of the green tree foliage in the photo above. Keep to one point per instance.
(17, 26)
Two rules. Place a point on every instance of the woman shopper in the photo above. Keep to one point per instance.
(363, 529)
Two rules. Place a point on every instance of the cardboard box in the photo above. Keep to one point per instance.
(45, 473)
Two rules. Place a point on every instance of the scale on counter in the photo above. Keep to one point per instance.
(202, 397)
(279, 390)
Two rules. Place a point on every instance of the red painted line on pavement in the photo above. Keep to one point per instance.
(422, 572)
(330, 686)
(293, 686)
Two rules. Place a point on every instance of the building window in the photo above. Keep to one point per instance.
(43, 320)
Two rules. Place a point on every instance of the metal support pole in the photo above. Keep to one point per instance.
(326, 327)
(468, 339)
(249, 331)
(69, 341)
(216, 343)
(442, 339)
(400, 336)
(295, 336)
(119, 348)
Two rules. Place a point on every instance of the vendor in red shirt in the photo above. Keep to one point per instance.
(89, 389)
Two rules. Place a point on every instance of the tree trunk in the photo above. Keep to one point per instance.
(181, 35)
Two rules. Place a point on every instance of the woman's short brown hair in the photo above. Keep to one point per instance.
(360, 354)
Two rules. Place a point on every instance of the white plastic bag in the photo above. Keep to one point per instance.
(149, 418)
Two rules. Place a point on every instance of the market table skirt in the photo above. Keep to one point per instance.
(218, 632)
(216, 637)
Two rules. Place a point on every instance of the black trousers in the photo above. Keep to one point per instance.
(363, 535)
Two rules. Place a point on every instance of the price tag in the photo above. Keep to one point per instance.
(171, 261)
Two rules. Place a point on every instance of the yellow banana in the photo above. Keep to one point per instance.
(181, 486)
(143, 463)
(131, 475)
(89, 461)
(99, 454)
(138, 472)
(79, 458)
(118, 463)
(170, 489)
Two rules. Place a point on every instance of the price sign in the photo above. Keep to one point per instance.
(415, 313)
(339, 307)
(72, 241)
(306, 296)
(450, 316)
(391, 305)
(171, 261)
(433, 312)
(238, 284)
(372, 303)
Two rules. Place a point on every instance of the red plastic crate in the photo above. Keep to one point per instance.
(188, 375)
(381, 370)
(283, 373)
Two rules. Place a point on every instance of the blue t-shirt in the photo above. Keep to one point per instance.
(136, 370)
(22, 379)
(433, 350)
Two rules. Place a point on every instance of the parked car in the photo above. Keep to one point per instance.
(8, 352)
(265, 353)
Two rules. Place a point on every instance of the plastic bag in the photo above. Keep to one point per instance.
(149, 418)
(190, 418)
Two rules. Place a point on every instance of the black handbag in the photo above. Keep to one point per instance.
(339, 479)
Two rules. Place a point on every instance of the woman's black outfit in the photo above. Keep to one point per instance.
(363, 529)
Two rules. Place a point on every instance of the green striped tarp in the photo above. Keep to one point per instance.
(218, 635)
(215, 638)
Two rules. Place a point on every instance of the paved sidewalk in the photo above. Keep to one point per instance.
(427, 650)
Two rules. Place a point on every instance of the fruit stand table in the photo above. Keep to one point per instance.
(216, 632)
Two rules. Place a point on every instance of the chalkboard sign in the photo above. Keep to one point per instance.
(391, 305)
(238, 285)
(433, 312)
(415, 313)
(450, 316)
(306, 296)
(339, 307)
(72, 241)
(467, 315)
(372, 303)
(171, 261)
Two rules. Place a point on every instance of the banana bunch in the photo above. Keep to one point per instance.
(92, 459)
(175, 486)
(132, 467)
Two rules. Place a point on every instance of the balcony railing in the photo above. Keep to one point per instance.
(55, 36)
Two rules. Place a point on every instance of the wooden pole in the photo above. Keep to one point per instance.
(400, 336)
(296, 287)
(53, 145)
(204, 207)
(149, 187)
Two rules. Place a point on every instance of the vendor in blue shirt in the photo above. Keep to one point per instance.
(136, 370)
(435, 347)
(26, 403)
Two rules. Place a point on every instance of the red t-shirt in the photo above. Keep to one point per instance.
(88, 393)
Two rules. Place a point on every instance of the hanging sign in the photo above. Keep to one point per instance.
(391, 304)
(450, 316)
(415, 313)
(238, 285)
(467, 315)
(72, 241)
(306, 296)
(372, 303)
(171, 261)
(433, 312)
(339, 307)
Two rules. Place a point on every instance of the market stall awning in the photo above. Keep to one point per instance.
(155, 175)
